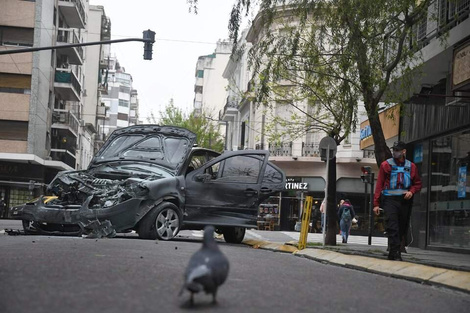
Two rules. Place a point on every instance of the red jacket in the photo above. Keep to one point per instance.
(383, 179)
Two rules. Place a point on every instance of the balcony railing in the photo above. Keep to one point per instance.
(66, 118)
(69, 36)
(280, 149)
(66, 76)
(310, 149)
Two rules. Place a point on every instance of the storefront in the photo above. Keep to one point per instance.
(437, 130)
(22, 181)
(286, 209)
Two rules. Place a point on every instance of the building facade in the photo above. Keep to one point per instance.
(435, 124)
(299, 157)
(209, 87)
(43, 128)
(120, 112)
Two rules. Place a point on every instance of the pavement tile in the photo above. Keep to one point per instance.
(421, 272)
(456, 279)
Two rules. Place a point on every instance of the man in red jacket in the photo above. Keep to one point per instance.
(397, 182)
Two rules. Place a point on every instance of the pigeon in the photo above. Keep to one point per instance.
(207, 268)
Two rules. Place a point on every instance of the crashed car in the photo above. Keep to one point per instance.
(152, 180)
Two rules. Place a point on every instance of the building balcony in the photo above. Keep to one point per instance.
(73, 12)
(105, 28)
(69, 36)
(230, 109)
(65, 156)
(101, 112)
(67, 85)
(280, 149)
(65, 120)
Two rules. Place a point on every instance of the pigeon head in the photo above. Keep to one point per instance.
(208, 239)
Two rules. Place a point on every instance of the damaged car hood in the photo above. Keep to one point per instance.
(166, 146)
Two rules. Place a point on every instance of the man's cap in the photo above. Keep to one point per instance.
(399, 145)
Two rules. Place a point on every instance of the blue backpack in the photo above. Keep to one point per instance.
(346, 216)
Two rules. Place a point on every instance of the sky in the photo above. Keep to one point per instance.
(181, 37)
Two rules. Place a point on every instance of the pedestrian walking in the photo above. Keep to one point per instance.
(345, 216)
(397, 182)
(3, 209)
(323, 211)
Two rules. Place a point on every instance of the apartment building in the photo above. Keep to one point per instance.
(120, 100)
(209, 87)
(43, 128)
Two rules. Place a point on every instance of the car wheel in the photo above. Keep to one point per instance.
(234, 234)
(163, 222)
(27, 225)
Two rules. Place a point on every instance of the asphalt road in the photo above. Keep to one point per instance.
(126, 274)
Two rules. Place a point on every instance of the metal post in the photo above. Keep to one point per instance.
(326, 193)
(371, 206)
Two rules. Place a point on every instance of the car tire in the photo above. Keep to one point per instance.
(162, 222)
(234, 234)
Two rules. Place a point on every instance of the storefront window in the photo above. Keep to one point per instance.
(449, 206)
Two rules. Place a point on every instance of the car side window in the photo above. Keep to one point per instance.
(237, 169)
(272, 175)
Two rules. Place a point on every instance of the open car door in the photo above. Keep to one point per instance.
(228, 190)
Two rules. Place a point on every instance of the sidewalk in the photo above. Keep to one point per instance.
(425, 266)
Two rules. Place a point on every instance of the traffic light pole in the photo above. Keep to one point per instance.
(104, 42)
(371, 207)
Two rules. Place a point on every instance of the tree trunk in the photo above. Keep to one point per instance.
(382, 151)
(331, 208)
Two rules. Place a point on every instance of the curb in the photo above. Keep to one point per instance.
(426, 274)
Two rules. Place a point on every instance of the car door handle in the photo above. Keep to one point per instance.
(266, 190)
(250, 192)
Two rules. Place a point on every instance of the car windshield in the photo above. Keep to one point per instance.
(143, 147)
(133, 169)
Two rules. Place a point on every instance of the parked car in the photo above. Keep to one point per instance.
(151, 179)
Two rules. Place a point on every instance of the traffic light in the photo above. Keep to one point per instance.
(366, 174)
(149, 37)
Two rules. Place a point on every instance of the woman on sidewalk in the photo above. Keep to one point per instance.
(345, 216)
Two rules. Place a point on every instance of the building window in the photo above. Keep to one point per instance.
(15, 83)
(16, 36)
(123, 117)
(13, 130)
(449, 221)
(123, 103)
(124, 89)
(198, 89)
(200, 73)
(19, 196)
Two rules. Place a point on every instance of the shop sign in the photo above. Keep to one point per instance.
(418, 153)
(461, 67)
(295, 184)
(366, 132)
(462, 182)
(10, 170)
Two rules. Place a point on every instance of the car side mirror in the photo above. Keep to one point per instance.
(202, 177)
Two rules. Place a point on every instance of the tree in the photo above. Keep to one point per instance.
(335, 53)
(362, 46)
(206, 130)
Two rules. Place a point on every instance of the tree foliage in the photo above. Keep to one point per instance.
(206, 129)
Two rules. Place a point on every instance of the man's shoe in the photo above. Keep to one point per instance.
(395, 256)
(344, 240)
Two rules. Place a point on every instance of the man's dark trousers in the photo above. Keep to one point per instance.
(396, 210)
